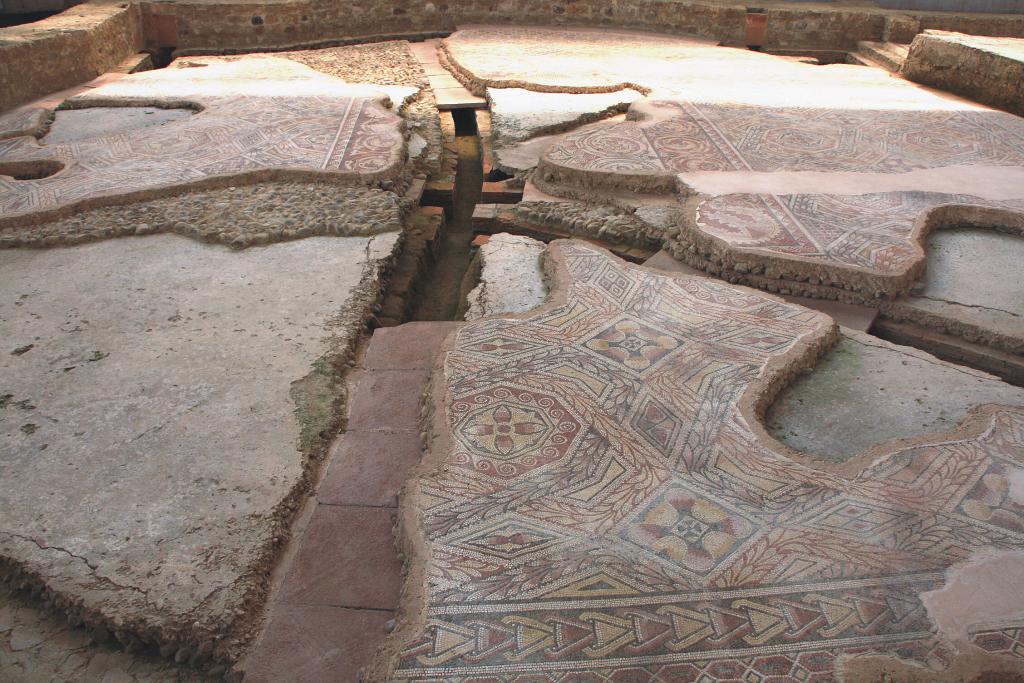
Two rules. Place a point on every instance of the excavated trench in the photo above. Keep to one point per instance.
(442, 293)
(445, 270)
(438, 268)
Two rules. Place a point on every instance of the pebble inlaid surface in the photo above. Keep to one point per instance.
(606, 511)
(257, 114)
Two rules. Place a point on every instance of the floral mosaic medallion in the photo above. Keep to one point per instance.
(606, 513)
(633, 344)
(506, 432)
(689, 529)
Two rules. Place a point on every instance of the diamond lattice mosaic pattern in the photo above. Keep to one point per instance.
(629, 523)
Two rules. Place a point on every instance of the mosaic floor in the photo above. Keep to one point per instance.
(877, 234)
(795, 167)
(599, 501)
(716, 137)
(607, 506)
(128, 394)
(258, 114)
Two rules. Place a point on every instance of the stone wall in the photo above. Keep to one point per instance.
(999, 6)
(196, 25)
(91, 38)
(987, 70)
(829, 29)
(66, 49)
(1011, 25)
(250, 25)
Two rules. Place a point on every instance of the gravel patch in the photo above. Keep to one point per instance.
(237, 216)
(590, 220)
(387, 63)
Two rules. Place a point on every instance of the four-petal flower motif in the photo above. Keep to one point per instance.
(507, 432)
(506, 429)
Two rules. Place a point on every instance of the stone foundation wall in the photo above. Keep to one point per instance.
(797, 28)
(198, 26)
(66, 49)
(982, 69)
(1011, 25)
(94, 37)
(195, 26)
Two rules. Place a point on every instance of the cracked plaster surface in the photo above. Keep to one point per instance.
(983, 304)
(38, 646)
(511, 277)
(865, 391)
(156, 404)
(213, 384)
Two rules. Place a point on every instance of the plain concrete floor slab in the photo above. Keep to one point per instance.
(978, 268)
(511, 277)
(519, 114)
(974, 278)
(867, 391)
(78, 124)
(149, 426)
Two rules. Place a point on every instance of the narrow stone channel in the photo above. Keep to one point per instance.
(442, 290)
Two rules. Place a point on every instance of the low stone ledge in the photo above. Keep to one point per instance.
(66, 49)
(95, 37)
(987, 70)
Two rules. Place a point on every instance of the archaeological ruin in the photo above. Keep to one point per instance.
(579, 341)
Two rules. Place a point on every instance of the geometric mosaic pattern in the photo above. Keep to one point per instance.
(603, 518)
(878, 231)
(1009, 640)
(256, 114)
(872, 235)
(691, 136)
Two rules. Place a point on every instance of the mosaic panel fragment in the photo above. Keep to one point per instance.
(654, 536)
(875, 231)
(257, 114)
(696, 136)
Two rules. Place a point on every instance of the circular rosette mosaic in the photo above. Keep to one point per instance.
(636, 346)
(692, 531)
(507, 432)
